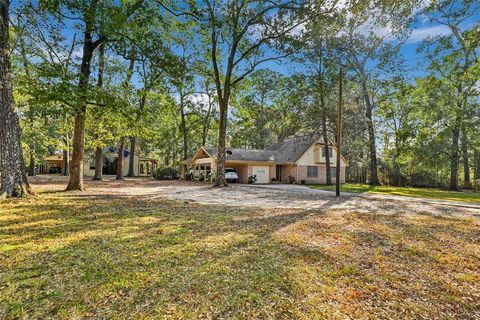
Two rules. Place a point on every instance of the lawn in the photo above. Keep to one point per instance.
(101, 256)
(431, 193)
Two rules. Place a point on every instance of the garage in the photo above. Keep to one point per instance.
(262, 173)
(242, 172)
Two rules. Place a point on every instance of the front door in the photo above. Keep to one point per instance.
(262, 173)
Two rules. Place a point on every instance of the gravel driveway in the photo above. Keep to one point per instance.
(263, 196)
(300, 197)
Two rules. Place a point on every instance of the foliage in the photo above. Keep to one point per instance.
(166, 173)
(158, 82)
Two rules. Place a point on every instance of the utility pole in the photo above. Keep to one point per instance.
(339, 132)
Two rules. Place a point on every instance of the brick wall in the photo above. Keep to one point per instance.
(320, 179)
(288, 171)
(272, 173)
(242, 172)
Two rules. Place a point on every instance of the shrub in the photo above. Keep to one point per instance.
(165, 173)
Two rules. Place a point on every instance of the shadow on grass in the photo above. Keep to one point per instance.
(111, 256)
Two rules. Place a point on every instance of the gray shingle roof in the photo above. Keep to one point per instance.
(245, 154)
(289, 150)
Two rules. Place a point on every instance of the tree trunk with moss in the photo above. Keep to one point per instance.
(13, 179)
(371, 135)
(78, 155)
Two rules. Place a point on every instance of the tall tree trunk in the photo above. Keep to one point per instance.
(454, 158)
(131, 160)
(31, 170)
(66, 163)
(98, 175)
(98, 164)
(206, 123)
(133, 140)
(76, 178)
(120, 158)
(66, 157)
(325, 133)
(183, 124)
(13, 180)
(476, 164)
(466, 164)
(221, 150)
(371, 135)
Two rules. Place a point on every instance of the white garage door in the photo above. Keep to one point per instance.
(262, 173)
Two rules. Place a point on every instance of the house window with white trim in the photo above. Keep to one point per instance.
(312, 171)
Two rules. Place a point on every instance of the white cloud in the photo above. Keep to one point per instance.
(419, 34)
(200, 100)
(386, 30)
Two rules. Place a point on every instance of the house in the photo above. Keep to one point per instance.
(51, 164)
(299, 159)
(143, 166)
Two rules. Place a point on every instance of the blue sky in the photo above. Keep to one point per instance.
(416, 63)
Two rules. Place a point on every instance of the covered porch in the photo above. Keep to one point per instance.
(199, 167)
(146, 166)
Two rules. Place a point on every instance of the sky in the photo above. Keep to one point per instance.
(418, 30)
(415, 61)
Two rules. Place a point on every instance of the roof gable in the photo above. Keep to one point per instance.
(202, 153)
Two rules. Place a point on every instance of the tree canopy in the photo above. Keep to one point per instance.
(166, 77)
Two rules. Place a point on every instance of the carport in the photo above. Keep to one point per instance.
(242, 171)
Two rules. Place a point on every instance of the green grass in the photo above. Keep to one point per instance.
(430, 193)
(99, 256)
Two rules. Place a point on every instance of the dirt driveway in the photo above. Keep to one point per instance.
(268, 196)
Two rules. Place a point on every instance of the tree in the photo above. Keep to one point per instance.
(105, 20)
(237, 33)
(254, 108)
(452, 57)
(365, 50)
(13, 180)
(319, 57)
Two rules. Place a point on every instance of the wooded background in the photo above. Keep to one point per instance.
(169, 76)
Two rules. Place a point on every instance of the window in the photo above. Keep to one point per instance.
(312, 171)
(323, 152)
(333, 172)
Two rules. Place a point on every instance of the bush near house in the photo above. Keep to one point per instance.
(166, 173)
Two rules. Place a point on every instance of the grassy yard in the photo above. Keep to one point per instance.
(431, 193)
(98, 256)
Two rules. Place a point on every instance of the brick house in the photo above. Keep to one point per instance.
(299, 159)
